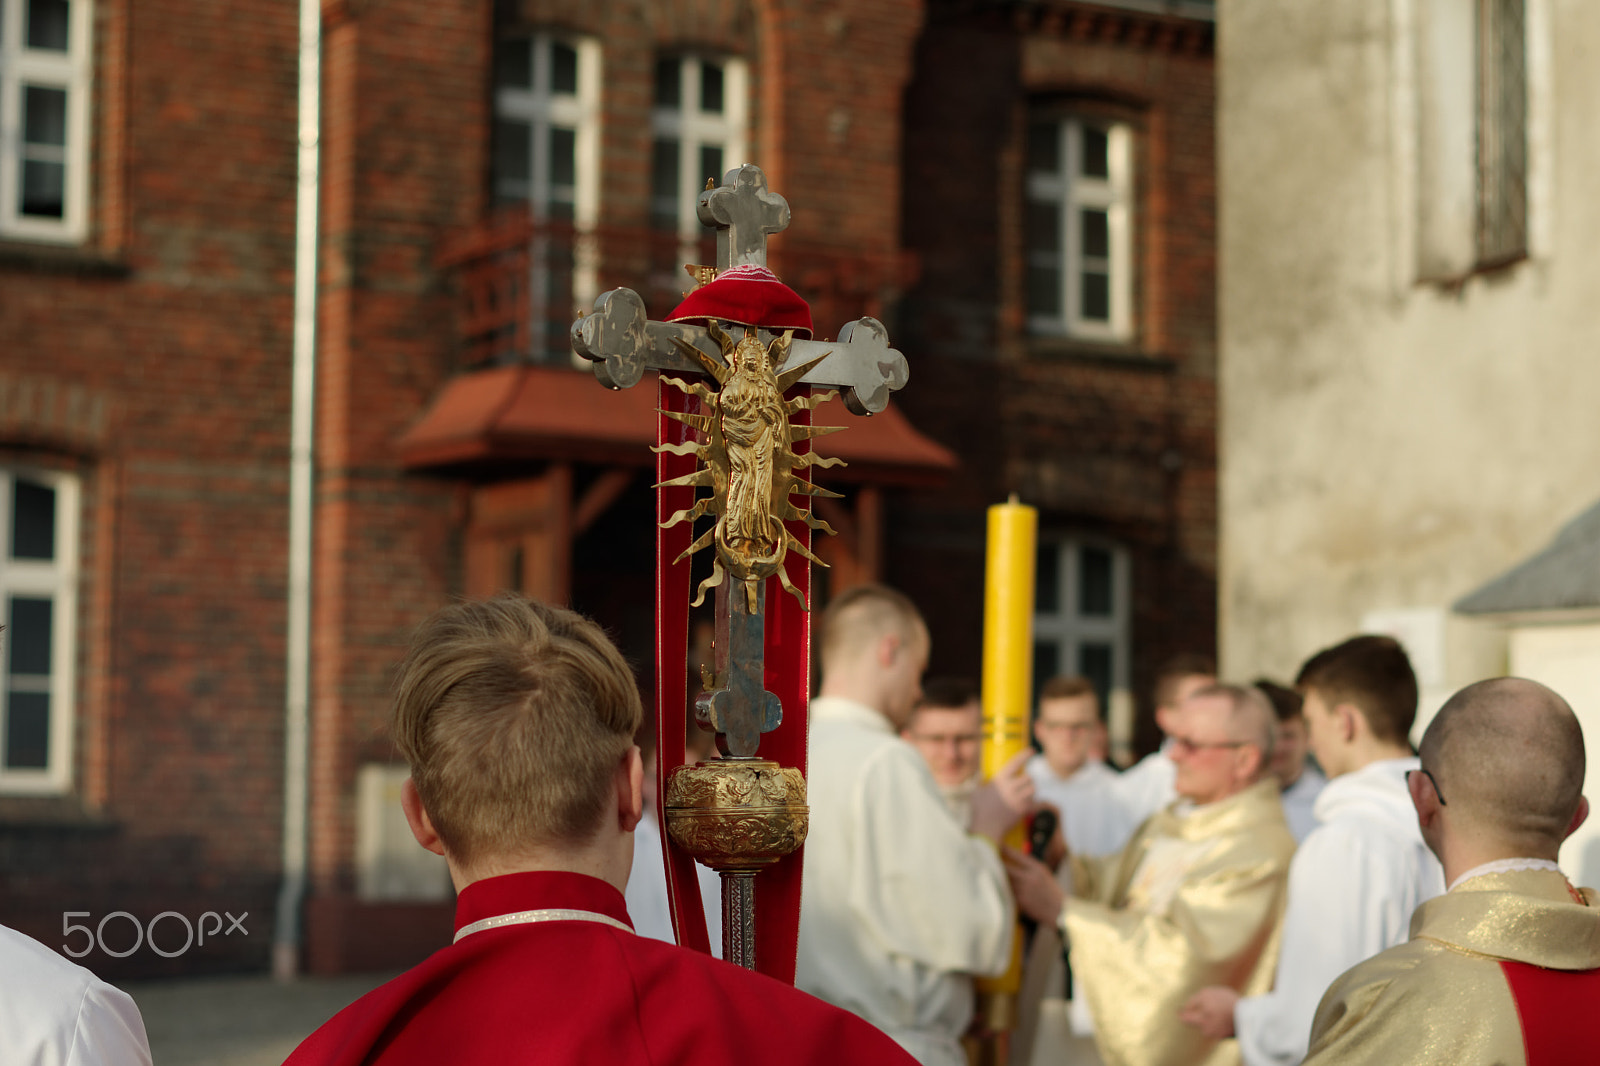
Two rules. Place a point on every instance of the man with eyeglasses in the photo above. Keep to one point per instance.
(1361, 872)
(1193, 900)
(1147, 786)
(1504, 967)
(947, 728)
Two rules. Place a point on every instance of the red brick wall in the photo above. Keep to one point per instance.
(1110, 441)
(405, 159)
(887, 126)
(177, 317)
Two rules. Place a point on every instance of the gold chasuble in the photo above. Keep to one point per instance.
(1443, 997)
(1195, 899)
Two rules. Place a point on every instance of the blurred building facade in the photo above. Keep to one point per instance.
(1407, 294)
(1024, 192)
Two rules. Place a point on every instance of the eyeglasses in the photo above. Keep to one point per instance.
(1432, 780)
(1063, 727)
(960, 740)
(1187, 746)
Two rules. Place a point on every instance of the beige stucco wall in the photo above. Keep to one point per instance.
(1389, 445)
(1567, 658)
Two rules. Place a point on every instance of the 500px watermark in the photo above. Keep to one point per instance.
(146, 934)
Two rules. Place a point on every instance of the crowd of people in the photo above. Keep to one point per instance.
(1221, 901)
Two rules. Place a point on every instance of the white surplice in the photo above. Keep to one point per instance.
(1353, 885)
(646, 894)
(1093, 820)
(900, 905)
(1146, 787)
(56, 1013)
(1300, 801)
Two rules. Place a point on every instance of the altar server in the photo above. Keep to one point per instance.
(55, 1012)
(947, 728)
(1360, 874)
(1504, 968)
(517, 719)
(1068, 776)
(900, 904)
(1301, 782)
(1193, 900)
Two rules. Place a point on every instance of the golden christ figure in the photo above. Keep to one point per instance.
(750, 461)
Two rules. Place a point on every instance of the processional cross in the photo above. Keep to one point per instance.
(743, 813)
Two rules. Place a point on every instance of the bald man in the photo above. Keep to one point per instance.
(1193, 900)
(1504, 967)
(900, 903)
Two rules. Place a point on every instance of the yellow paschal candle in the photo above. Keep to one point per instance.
(1008, 632)
(1007, 682)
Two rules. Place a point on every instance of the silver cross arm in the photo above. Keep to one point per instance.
(622, 342)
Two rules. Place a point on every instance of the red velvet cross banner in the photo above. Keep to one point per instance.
(788, 674)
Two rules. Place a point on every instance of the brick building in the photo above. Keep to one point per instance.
(1061, 200)
(485, 170)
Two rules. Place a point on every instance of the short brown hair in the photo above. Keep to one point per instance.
(513, 715)
(863, 613)
(947, 693)
(1287, 704)
(1372, 674)
(1175, 670)
(1069, 686)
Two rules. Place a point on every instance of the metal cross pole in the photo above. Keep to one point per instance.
(753, 650)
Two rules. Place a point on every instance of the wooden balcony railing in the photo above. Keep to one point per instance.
(521, 281)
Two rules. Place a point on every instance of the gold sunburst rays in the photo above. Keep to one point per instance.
(749, 461)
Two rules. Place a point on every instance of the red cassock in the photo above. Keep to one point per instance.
(546, 969)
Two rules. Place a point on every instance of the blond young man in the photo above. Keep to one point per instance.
(1193, 900)
(900, 903)
(517, 719)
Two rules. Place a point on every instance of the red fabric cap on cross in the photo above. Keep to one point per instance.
(747, 296)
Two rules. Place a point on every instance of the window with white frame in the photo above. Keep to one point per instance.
(1081, 610)
(38, 583)
(44, 119)
(547, 155)
(547, 108)
(1079, 228)
(698, 125)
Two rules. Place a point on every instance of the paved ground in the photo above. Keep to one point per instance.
(238, 1021)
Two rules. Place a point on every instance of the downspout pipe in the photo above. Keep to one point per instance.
(288, 928)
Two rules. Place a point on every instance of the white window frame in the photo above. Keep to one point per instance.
(1069, 630)
(694, 129)
(1070, 192)
(57, 579)
(22, 66)
(542, 109)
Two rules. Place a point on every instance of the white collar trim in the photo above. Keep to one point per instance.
(1503, 866)
(550, 914)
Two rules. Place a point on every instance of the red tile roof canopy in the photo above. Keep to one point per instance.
(539, 412)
